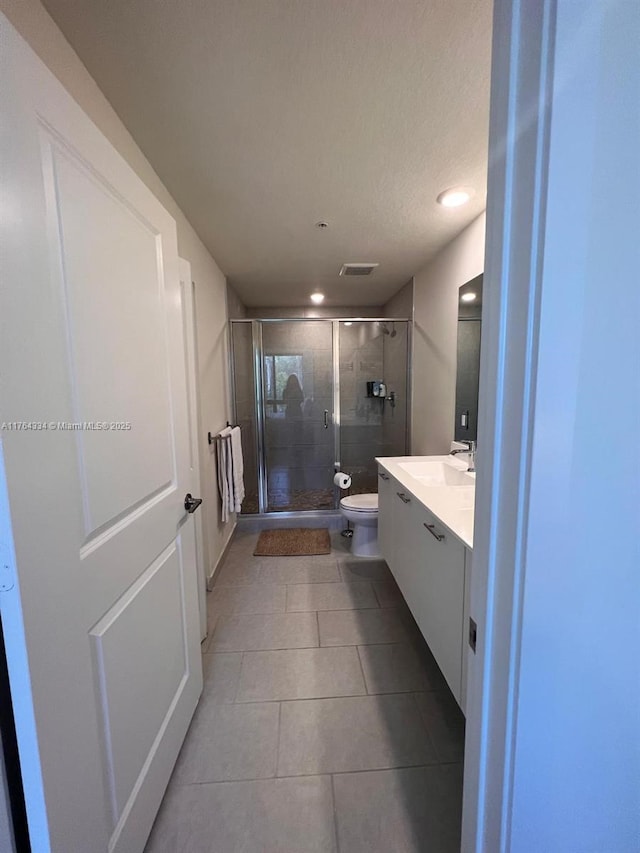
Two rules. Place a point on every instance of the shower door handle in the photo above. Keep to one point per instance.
(326, 418)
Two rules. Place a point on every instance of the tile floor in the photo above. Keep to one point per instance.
(324, 726)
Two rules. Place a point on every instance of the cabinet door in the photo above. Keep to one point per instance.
(466, 649)
(438, 596)
(385, 516)
(405, 536)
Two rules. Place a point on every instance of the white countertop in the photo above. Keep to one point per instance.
(452, 505)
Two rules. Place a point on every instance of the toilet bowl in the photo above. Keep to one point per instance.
(362, 512)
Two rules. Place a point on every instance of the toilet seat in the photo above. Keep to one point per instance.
(361, 503)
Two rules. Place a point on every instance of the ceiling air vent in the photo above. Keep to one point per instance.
(358, 269)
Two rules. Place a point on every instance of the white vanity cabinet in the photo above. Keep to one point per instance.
(439, 572)
(428, 563)
(386, 496)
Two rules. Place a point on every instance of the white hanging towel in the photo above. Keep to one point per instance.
(225, 473)
(238, 468)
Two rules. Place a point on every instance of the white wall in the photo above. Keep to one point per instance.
(36, 26)
(311, 311)
(435, 333)
(401, 303)
(236, 309)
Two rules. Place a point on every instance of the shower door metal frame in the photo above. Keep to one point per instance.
(258, 379)
(258, 376)
(335, 342)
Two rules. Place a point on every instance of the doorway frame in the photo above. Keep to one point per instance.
(190, 332)
(519, 133)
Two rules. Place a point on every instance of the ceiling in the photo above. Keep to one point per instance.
(263, 117)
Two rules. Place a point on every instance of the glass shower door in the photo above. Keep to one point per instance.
(297, 394)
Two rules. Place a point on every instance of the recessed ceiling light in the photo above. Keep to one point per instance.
(317, 298)
(348, 323)
(468, 297)
(455, 196)
(322, 224)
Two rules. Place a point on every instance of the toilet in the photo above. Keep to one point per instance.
(362, 512)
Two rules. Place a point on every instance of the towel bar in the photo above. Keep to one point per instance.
(211, 437)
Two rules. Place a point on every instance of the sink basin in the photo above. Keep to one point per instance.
(465, 497)
(435, 473)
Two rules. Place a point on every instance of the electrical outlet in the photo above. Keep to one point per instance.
(473, 635)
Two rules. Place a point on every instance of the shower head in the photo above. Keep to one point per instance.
(385, 330)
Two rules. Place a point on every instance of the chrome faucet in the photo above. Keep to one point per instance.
(470, 449)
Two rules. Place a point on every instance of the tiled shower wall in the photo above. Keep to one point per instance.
(361, 360)
(396, 415)
(371, 426)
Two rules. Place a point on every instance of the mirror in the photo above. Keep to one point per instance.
(468, 365)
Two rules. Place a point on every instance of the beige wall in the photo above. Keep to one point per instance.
(401, 304)
(35, 25)
(435, 336)
(312, 311)
(236, 309)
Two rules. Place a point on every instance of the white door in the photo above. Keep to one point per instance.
(187, 295)
(100, 605)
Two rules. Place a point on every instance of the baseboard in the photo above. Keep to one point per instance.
(223, 553)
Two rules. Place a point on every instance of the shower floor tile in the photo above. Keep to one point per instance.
(307, 499)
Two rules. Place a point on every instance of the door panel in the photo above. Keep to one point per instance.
(101, 612)
(113, 286)
(129, 663)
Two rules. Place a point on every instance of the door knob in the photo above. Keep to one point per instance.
(191, 504)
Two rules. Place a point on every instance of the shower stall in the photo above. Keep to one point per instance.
(314, 397)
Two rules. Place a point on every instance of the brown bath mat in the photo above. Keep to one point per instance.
(293, 542)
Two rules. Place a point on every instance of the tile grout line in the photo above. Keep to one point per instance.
(235, 692)
(321, 775)
(316, 646)
(364, 677)
(278, 740)
(387, 769)
(335, 814)
(336, 646)
(306, 582)
(333, 610)
(245, 702)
